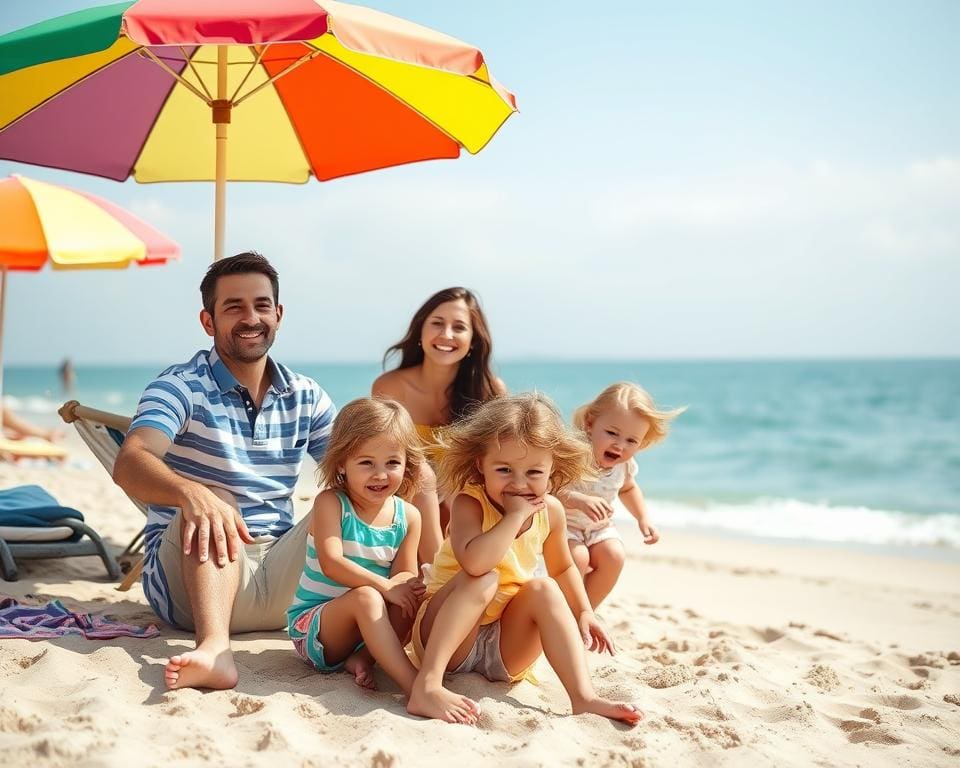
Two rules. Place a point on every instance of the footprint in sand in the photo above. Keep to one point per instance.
(245, 705)
(874, 734)
(900, 702)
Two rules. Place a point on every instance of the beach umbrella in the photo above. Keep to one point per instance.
(44, 223)
(152, 89)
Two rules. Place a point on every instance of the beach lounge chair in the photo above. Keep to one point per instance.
(14, 450)
(34, 525)
(103, 432)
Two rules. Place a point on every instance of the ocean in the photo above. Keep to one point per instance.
(863, 452)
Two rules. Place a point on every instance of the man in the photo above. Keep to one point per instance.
(215, 449)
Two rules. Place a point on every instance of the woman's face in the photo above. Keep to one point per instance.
(447, 333)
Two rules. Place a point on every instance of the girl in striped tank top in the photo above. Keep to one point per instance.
(359, 591)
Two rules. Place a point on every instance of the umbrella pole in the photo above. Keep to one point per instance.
(221, 118)
(3, 306)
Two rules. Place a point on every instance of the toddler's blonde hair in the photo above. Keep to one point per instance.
(530, 419)
(630, 397)
(357, 422)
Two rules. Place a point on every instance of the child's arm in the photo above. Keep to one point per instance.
(403, 573)
(478, 552)
(560, 566)
(594, 507)
(632, 498)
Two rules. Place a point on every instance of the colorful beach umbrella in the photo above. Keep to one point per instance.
(44, 223)
(151, 89)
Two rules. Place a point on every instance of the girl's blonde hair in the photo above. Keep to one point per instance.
(361, 420)
(633, 398)
(530, 419)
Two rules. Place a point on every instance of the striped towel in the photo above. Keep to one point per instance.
(38, 622)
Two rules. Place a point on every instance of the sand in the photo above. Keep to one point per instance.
(741, 652)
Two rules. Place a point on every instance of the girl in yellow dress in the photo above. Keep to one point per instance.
(484, 610)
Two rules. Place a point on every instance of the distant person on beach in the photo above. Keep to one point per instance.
(215, 448)
(17, 428)
(485, 611)
(360, 588)
(619, 422)
(444, 369)
(68, 376)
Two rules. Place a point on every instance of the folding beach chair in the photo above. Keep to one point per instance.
(34, 525)
(103, 432)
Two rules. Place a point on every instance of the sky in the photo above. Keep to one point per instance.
(685, 180)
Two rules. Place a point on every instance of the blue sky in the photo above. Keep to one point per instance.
(685, 180)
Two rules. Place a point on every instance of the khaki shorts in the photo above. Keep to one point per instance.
(269, 573)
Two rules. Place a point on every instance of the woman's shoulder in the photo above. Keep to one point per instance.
(394, 384)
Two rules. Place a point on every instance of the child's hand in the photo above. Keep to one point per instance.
(650, 534)
(594, 635)
(405, 592)
(594, 507)
(523, 506)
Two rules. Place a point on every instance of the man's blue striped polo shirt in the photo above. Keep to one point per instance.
(199, 405)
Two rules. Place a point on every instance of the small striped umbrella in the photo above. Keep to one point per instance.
(70, 229)
(307, 87)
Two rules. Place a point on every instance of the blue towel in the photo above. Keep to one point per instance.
(33, 507)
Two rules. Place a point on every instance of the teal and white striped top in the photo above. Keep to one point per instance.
(372, 548)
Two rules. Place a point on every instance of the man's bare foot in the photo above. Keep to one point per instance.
(360, 665)
(441, 704)
(201, 668)
(615, 710)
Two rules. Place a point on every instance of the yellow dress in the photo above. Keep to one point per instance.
(514, 570)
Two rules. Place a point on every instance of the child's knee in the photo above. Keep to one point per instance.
(544, 589)
(608, 555)
(368, 600)
(580, 555)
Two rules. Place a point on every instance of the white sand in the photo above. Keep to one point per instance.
(742, 653)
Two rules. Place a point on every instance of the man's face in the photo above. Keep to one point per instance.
(245, 318)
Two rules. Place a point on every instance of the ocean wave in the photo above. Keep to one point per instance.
(803, 520)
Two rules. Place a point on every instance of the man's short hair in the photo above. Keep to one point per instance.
(241, 264)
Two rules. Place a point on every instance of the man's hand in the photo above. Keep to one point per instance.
(406, 592)
(210, 518)
(593, 507)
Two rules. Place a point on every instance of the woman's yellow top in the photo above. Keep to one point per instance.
(514, 570)
(431, 437)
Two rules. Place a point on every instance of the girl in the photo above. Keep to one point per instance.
(444, 369)
(622, 420)
(358, 593)
(484, 610)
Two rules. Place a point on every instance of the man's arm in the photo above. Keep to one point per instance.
(141, 471)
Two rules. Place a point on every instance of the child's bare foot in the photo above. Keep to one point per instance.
(615, 710)
(360, 665)
(441, 704)
(201, 668)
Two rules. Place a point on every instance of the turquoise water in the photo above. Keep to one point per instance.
(863, 451)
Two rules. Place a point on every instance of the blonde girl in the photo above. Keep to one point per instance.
(358, 593)
(484, 610)
(619, 422)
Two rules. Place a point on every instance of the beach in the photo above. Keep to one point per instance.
(741, 652)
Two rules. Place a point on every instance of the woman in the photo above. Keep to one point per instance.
(444, 369)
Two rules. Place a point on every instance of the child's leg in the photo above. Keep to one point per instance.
(448, 631)
(606, 558)
(361, 663)
(361, 615)
(539, 619)
(580, 555)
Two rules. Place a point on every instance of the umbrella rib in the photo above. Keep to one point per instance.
(179, 78)
(302, 60)
(189, 60)
(256, 63)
